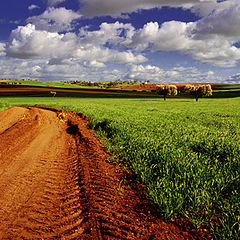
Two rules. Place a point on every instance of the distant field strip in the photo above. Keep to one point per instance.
(186, 153)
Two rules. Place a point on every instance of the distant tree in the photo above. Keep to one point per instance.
(198, 91)
(135, 81)
(166, 90)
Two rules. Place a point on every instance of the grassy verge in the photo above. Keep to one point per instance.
(186, 153)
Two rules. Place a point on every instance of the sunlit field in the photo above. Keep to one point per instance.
(186, 153)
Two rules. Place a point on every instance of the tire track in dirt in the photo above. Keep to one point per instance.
(56, 182)
(39, 190)
(114, 205)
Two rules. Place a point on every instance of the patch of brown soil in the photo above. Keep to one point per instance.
(56, 182)
(142, 87)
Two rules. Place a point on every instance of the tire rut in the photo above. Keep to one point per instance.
(39, 200)
(113, 209)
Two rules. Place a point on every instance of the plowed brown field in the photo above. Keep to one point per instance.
(56, 182)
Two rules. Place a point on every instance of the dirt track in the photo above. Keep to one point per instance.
(55, 182)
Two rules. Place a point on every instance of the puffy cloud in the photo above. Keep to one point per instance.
(180, 36)
(174, 75)
(40, 69)
(113, 33)
(107, 55)
(143, 73)
(2, 49)
(26, 42)
(14, 69)
(116, 7)
(170, 36)
(210, 39)
(33, 6)
(54, 19)
(94, 64)
(127, 57)
(113, 43)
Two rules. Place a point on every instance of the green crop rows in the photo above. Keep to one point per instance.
(186, 153)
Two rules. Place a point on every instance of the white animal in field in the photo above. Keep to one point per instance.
(53, 93)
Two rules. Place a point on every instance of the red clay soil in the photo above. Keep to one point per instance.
(56, 182)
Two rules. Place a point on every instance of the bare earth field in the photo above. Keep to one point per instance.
(32, 90)
(56, 182)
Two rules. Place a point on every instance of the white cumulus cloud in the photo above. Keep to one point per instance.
(173, 75)
(180, 36)
(113, 33)
(94, 64)
(211, 40)
(39, 69)
(54, 19)
(27, 42)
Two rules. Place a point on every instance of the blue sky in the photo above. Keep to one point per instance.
(166, 41)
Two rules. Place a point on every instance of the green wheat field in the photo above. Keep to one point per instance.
(186, 153)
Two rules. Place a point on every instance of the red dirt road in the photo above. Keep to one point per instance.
(56, 182)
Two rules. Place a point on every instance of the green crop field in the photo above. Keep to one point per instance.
(186, 153)
(40, 83)
(69, 84)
